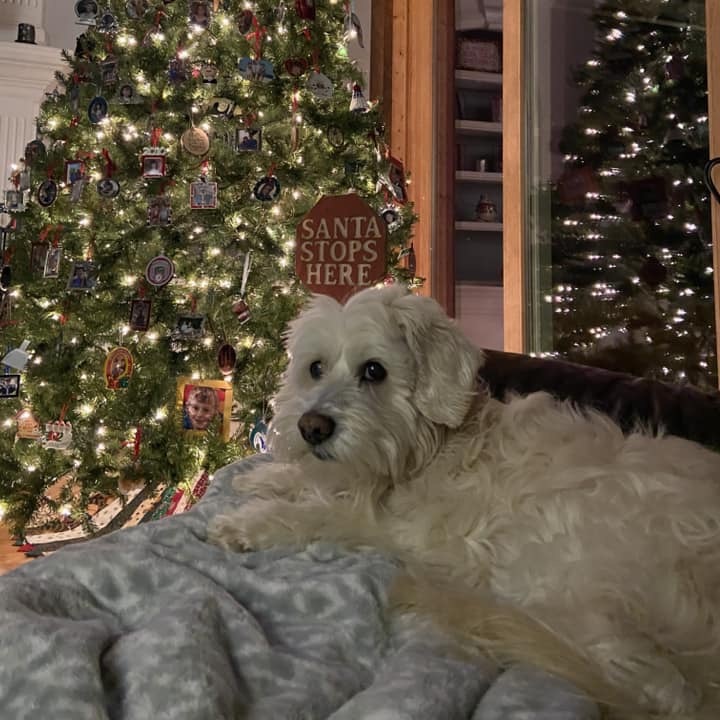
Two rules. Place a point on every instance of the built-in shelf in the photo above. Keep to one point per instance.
(475, 80)
(471, 176)
(477, 127)
(478, 226)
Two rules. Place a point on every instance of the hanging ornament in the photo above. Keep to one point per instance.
(38, 254)
(107, 23)
(58, 435)
(335, 137)
(107, 186)
(160, 271)
(178, 71)
(319, 85)
(20, 177)
(391, 217)
(28, 426)
(118, 368)
(77, 189)
(53, 259)
(227, 357)
(258, 436)
(47, 192)
(83, 276)
(408, 260)
(221, 107)
(209, 73)
(267, 188)
(17, 359)
(305, 9)
(245, 21)
(153, 162)
(9, 386)
(394, 179)
(84, 47)
(74, 171)
(140, 314)
(203, 194)
(195, 141)
(240, 307)
(242, 311)
(35, 153)
(127, 94)
(247, 139)
(97, 109)
(159, 212)
(188, 327)
(295, 67)
(358, 103)
(256, 69)
(135, 9)
(199, 13)
(86, 12)
(108, 70)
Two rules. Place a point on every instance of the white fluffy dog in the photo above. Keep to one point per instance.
(532, 530)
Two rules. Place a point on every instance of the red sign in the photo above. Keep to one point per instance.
(340, 247)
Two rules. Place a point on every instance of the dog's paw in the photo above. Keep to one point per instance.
(255, 526)
(227, 531)
(676, 698)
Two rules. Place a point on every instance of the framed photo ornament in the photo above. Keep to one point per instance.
(205, 405)
(153, 163)
(52, 262)
(159, 212)
(203, 195)
(74, 171)
(119, 366)
(9, 386)
(83, 276)
(140, 314)
(160, 271)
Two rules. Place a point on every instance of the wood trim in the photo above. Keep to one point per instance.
(381, 61)
(416, 85)
(514, 276)
(444, 153)
(712, 20)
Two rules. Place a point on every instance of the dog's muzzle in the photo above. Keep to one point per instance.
(315, 428)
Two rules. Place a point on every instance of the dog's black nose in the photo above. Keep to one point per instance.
(315, 428)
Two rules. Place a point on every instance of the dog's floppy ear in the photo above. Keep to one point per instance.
(447, 362)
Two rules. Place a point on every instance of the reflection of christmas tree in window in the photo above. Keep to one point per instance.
(631, 244)
(148, 225)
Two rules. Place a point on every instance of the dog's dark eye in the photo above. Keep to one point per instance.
(373, 372)
(316, 370)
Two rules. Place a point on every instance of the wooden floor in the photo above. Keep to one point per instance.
(9, 555)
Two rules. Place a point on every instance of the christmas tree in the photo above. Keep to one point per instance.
(148, 245)
(631, 241)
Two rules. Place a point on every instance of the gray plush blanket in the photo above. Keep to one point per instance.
(153, 622)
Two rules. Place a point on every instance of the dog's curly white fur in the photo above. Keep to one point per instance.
(558, 539)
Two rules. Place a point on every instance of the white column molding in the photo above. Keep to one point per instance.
(26, 73)
(13, 12)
